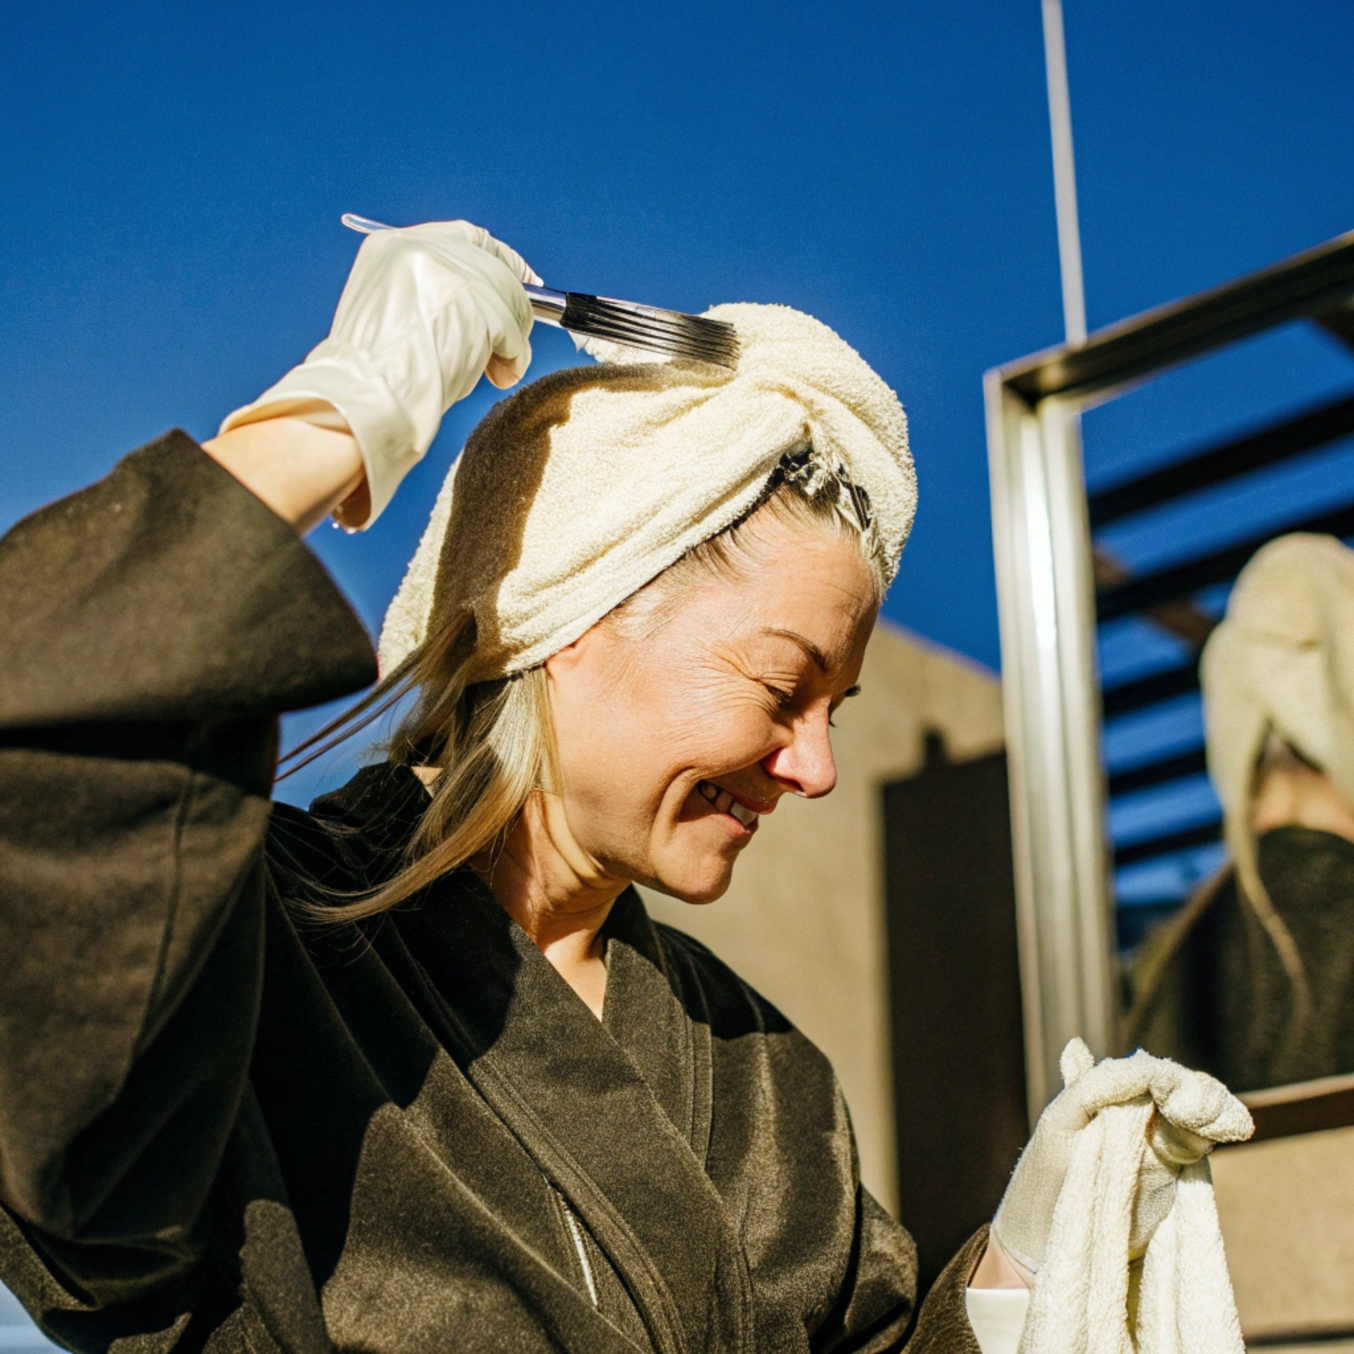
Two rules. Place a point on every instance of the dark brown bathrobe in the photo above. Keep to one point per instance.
(223, 1128)
(1210, 991)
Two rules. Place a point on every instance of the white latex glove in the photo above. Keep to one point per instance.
(425, 311)
(1193, 1112)
(1185, 1100)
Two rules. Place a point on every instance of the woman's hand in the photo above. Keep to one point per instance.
(1025, 1217)
(425, 312)
(1192, 1112)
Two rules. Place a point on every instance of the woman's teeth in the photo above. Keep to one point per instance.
(726, 803)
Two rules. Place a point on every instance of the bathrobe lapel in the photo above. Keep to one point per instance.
(627, 1153)
(657, 1014)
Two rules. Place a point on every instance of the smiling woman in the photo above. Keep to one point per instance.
(665, 731)
(415, 1070)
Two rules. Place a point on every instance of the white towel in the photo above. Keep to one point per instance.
(1283, 659)
(1080, 1299)
(580, 489)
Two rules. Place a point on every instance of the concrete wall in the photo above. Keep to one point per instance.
(1287, 1213)
(804, 919)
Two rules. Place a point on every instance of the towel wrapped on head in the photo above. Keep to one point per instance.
(1281, 662)
(581, 488)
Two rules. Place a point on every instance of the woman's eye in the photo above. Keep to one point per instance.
(783, 696)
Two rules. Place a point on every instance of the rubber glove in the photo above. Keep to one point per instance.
(1186, 1101)
(425, 311)
(1193, 1112)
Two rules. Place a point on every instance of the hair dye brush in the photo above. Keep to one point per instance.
(668, 332)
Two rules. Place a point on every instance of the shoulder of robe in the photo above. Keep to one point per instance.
(350, 838)
(1294, 851)
(1159, 974)
(734, 1006)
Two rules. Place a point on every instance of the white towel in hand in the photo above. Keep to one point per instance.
(1080, 1300)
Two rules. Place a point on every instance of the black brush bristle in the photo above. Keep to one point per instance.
(657, 331)
(695, 337)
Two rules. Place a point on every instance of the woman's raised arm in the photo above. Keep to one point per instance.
(302, 471)
(156, 625)
(425, 313)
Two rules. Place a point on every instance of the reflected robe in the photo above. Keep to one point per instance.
(1209, 989)
(223, 1128)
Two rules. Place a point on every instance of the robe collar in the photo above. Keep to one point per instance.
(616, 1113)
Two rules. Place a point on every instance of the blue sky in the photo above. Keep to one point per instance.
(173, 177)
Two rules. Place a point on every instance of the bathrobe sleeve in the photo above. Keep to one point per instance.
(879, 1295)
(942, 1324)
(155, 626)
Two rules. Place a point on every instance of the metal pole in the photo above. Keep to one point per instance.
(1042, 545)
(1050, 692)
(1064, 173)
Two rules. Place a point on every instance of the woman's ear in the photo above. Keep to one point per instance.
(572, 655)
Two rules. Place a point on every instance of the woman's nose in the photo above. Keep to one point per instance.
(805, 765)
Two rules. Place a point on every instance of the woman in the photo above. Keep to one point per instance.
(414, 1070)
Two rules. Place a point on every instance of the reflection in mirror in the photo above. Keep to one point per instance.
(1254, 979)
(1231, 779)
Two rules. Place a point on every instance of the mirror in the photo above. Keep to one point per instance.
(1134, 479)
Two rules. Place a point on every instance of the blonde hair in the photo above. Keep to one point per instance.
(494, 741)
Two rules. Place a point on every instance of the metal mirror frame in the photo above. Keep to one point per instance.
(1046, 599)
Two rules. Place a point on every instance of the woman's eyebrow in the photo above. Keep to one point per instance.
(818, 657)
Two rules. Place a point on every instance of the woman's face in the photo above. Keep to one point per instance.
(674, 742)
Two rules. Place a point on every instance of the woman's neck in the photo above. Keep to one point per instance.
(556, 895)
(1290, 792)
